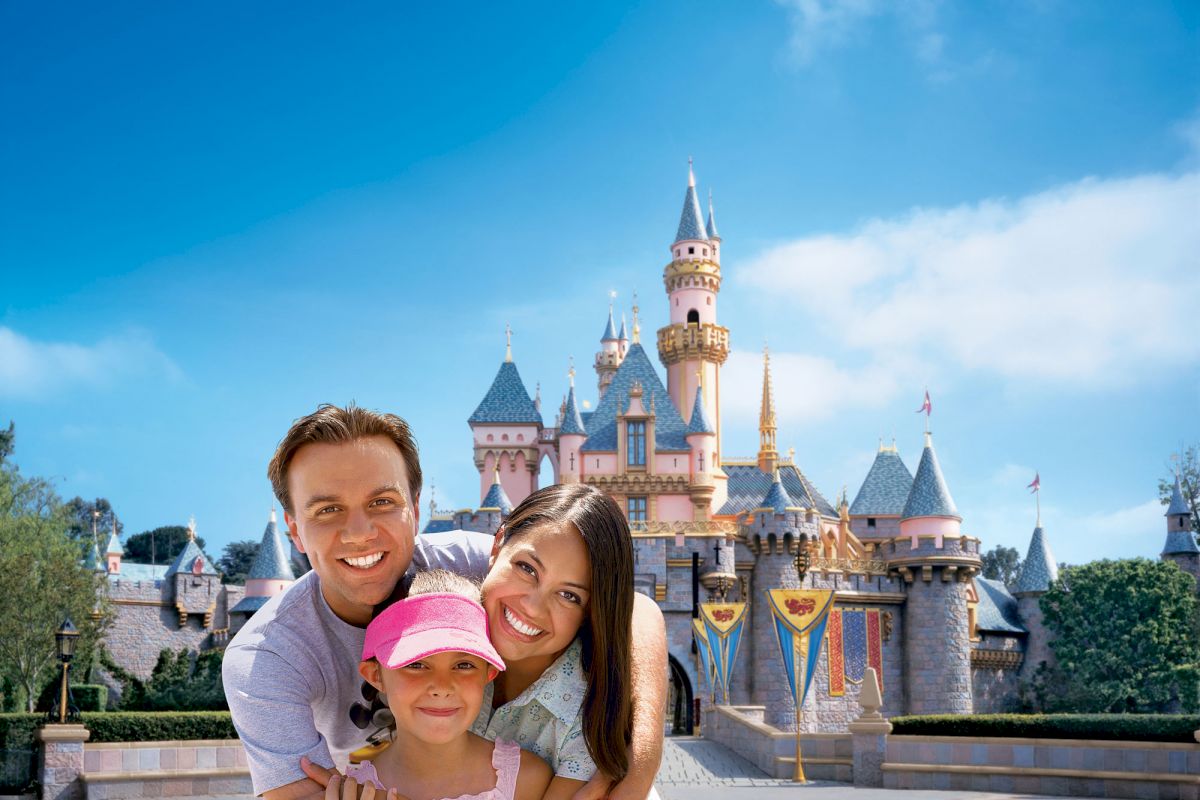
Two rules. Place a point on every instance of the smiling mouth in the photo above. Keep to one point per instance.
(519, 626)
(439, 712)
(363, 562)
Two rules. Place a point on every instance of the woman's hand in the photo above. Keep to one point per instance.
(339, 787)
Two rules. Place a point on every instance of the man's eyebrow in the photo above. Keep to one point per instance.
(388, 487)
(321, 498)
(533, 556)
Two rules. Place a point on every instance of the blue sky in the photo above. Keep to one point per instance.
(214, 217)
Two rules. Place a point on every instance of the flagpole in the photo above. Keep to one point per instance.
(798, 775)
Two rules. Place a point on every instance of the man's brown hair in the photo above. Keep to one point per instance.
(330, 424)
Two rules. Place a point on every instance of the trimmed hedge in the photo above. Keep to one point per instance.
(90, 697)
(158, 726)
(1114, 727)
(16, 730)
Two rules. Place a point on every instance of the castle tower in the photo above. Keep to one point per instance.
(113, 552)
(612, 351)
(506, 427)
(774, 532)
(1181, 542)
(702, 439)
(1038, 571)
(768, 455)
(571, 436)
(623, 338)
(693, 342)
(269, 575)
(876, 510)
(936, 562)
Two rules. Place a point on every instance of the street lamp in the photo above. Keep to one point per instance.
(802, 560)
(65, 638)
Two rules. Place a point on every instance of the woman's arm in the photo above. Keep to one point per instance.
(564, 788)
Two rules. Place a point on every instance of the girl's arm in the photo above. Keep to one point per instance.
(533, 777)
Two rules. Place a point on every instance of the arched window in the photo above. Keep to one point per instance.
(693, 317)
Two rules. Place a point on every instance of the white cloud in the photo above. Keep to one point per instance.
(1123, 533)
(32, 369)
(827, 24)
(1087, 283)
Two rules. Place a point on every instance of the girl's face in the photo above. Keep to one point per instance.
(537, 592)
(435, 699)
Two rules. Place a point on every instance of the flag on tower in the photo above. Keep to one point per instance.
(926, 406)
(1036, 485)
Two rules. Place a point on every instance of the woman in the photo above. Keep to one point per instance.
(559, 598)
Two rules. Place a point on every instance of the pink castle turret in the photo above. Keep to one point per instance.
(571, 436)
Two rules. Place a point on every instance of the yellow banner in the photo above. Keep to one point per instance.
(723, 617)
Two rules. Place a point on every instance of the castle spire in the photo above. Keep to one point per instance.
(711, 226)
(768, 456)
(1180, 540)
(508, 343)
(691, 221)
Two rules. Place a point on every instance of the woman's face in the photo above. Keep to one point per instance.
(537, 592)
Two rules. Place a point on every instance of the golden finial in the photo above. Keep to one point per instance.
(571, 371)
(507, 343)
(792, 454)
(637, 326)
(191, 528)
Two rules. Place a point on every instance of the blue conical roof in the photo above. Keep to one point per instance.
(1039, 567)
(114, 546)
(496, 498)
(929, 497)
(886, 488)
(92, 560)
(1178, 504)
(624, 334)
(271, 563)
(711, 227)
(507, 400)
(602, 423)
(183, 562)
(572, 422)
(777, 498)
(610, 330)
(1180, 543)
(691, 221)
(699, 422)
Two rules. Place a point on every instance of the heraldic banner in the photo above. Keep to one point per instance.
(853, 644)
(723, 623)
(800, 616)
(700, 635)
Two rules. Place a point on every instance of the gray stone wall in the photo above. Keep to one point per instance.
(937, 652)
(1037, 644)
(885, 527)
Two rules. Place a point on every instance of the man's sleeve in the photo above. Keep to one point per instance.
(272, 711)
(464, 553)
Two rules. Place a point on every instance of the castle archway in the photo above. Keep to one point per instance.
(680, 707)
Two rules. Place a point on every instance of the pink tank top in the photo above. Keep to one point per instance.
(506, 760)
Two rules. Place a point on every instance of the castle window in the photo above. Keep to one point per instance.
(678, 252)
(636, 508)
(706, 251)
(870, 522)
(709, 299)
(520, 437)
(491, 438)
(691, 251)
(693, 317)
(504, 437)
(636, 444)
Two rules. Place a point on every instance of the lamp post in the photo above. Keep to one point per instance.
(802, 563)
(65, 638)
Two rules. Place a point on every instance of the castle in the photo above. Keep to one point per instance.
(910, 599)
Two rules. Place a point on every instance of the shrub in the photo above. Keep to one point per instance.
(90, 697)
(16, 730)
(1113, 727)
(158, 726)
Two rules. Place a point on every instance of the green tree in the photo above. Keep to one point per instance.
(1189, 480)
(185, 681)
(85, 515)
(158, 546)
(42, 581)
(6, 442)
(236, 560)
(1002, 564)
(1126, 638)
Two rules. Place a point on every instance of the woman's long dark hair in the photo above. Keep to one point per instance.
(605, 634)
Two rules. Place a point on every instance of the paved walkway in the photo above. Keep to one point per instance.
(697, 769)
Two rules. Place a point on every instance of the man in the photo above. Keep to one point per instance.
(349, 481)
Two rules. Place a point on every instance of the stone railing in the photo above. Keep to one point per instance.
(703, 528)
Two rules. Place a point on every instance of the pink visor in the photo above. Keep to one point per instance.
(420, 626)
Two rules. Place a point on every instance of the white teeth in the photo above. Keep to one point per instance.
(364, 562)
(521, 627)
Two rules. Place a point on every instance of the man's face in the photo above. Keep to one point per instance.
(354, 519)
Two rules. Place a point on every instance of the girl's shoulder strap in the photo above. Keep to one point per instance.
(506, 760)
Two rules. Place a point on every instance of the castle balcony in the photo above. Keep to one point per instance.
(707, 529)
(682, 342)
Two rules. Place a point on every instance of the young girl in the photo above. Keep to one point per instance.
(430, 655)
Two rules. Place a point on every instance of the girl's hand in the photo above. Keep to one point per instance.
(339, 787)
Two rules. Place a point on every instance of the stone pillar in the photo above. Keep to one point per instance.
(770, 685)
(869, 733)
(937, 646)
(61, 765)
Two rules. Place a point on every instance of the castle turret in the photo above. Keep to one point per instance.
(876, 510)
(612, 351)
(693, 342)
(496, 499)
(269, 575)
(507, 428)
(623, 338)
(701, 438)
(774, 532)
(113, 552)
(937, 562)
(1038, 571)
(768, 455)
(1181, 546)
(571, 436)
